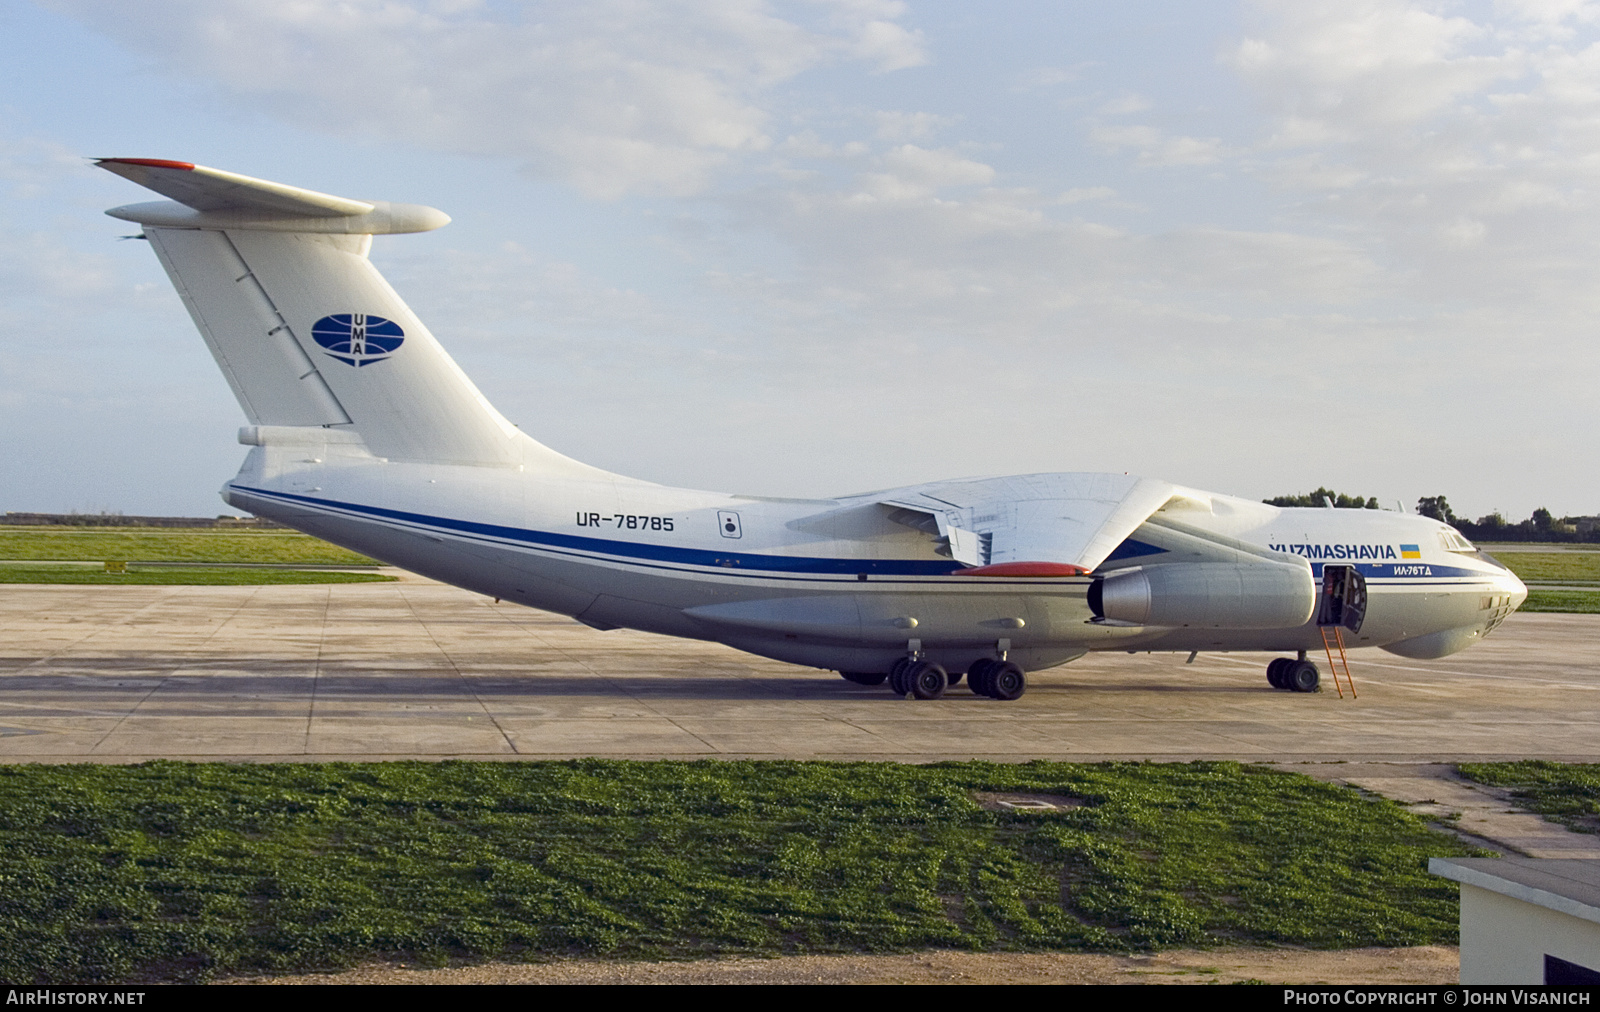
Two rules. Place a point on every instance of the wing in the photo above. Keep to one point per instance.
(1031, 525)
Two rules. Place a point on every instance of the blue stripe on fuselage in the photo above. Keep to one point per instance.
(748, 561)
(734, 561)
(637, 550)
(1401, 570)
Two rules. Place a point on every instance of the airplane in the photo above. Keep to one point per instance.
(364, 432)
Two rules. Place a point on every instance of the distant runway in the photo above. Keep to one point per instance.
(420, 670)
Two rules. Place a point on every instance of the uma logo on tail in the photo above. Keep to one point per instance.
(356, 338)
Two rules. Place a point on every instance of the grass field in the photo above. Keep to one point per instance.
(290, 548)
(1570, 601)
(186, 576)
(1577, 568)
(184, 871)
(1568, 793)
(156, 544)
(1553, 567)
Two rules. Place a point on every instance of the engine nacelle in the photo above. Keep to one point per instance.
(1257, 595)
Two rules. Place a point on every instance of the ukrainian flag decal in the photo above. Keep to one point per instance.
(1410, 552)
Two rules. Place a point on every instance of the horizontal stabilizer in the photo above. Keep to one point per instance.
(206, 189)
(211, 198)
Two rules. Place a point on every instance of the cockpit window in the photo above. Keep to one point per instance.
(1451, 541)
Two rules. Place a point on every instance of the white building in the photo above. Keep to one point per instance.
(1527, 920)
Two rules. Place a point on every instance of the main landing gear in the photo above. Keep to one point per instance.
(921, 678)
(1294, 674)
(924, 679)
(997, 679)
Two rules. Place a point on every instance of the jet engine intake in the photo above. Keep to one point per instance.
(1260, 595)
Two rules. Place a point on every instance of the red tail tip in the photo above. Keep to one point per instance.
(154, 163)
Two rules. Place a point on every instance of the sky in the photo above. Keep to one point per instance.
(815, 248)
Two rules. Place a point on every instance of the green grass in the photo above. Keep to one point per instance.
(1571, 601)
(1490, 545)
(156, 544)
(1568, 793)
(188, 576)
(1553, 567)
(1557, 567)
(185, 871)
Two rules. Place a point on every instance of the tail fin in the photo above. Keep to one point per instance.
(306, 330)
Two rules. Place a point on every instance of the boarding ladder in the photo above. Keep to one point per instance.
(1333, 640)
(1343, 606)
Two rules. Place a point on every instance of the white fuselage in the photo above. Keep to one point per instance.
(367, 433)
(835, 583)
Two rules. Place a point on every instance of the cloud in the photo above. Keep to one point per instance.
(1392, 215)
(911, 172)
(876, 37)
(909, 126)
(1158, 149)
(1000, 269)
(98, 361)
(1126, 104)
(41, 268)
(31, 166)
(1464, 147)
(1356, 65)
(1046, 77)
(613, 96)
(1079, 194)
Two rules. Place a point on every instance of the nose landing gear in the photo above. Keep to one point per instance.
(1341, 605)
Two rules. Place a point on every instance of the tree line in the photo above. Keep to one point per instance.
(1541, 526)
